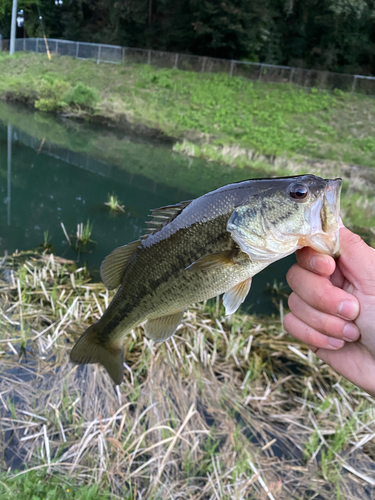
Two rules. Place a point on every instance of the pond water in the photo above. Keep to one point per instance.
(55, 171)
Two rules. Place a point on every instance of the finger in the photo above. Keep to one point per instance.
(316, 262)
(305, 333)
(357, 261)
(337, 279)
(319, 293)
(327, 324)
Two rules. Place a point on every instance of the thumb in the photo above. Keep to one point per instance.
(357, 261)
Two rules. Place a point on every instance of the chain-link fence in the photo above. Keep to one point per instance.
(98, 52)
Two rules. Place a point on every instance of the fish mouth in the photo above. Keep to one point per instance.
(324, 219)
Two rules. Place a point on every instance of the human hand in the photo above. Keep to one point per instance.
(333, 308)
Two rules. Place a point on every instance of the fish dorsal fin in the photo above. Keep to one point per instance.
(112, 268)
(162, 328)
(234, 297)
(212, 261)
(162, 216)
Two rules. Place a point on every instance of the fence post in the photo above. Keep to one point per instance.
(36, 45)
(354, 83)
(231, 68)
(291, 74)
(77, 50)
(1, 42)
(176, 62)
(123, 54)
(203, 64)
(24, 44)
(57, 46)
(99, 52)
(260, 72)
(149, 57)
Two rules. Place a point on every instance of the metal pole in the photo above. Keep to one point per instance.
(13, 28)
(176, 62)
(36, 45)
(149, 57)
(354, 83)
(99, 51)
(203, 64)
(1, 43)
(9, 168)
(24, 44)
(260, 72)
(77, 50)
(123, 54)
(231, 68)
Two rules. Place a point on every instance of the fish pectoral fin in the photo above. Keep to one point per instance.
(112, 268)
(212, 261)
(90, 349)
(234, 297)
(162, 328)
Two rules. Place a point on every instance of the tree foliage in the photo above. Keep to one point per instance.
(337, 35)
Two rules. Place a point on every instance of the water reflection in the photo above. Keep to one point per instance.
(9, 171)
(48, 189)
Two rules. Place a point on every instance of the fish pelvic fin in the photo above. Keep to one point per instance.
(90, 349)
(162, 328)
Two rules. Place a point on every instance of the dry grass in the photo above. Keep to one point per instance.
(227, 409)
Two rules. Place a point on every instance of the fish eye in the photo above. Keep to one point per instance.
(298, 191)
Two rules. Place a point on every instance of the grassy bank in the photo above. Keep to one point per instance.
(229, 408)
(270, 120)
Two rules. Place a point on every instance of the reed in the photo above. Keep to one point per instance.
(229, 408)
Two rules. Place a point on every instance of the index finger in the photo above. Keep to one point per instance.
(321, 294)
(318, 263)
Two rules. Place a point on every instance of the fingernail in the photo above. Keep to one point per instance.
(349, 309)
(335, 343)
(350, 332)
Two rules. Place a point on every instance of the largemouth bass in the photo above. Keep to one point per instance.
(199, 249)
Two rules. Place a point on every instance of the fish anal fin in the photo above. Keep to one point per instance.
(90, 349)
(112, 268)
(234, 297)
(213, 261)
(162, 328)
(162, 216)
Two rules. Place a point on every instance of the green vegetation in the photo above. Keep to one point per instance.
(114, 204)
(270, 31)
(266, 120)
(83, 234)
(57, 95)
(41, 485)
(224, 405)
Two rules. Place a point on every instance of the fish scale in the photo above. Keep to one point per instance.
(199, 249)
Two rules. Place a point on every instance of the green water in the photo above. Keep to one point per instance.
(54, 171)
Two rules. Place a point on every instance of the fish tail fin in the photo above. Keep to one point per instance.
(90, 348)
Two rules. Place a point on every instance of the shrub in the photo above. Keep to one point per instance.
(51, 94)
(83, 96)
